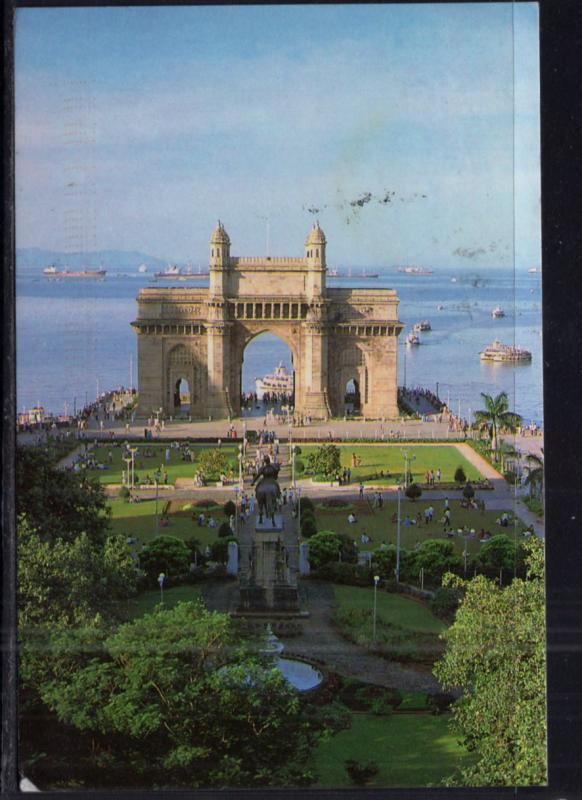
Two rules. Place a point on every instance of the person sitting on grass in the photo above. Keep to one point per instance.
(352, 518)
(201, 519)
(211, 522)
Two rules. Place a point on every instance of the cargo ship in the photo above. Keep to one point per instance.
(53, 272)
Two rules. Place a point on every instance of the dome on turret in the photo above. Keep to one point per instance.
(220, 236)
(316, 235)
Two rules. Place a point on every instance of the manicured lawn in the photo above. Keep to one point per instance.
(415, 750)
(392, 609)
(390, 460)
(147, 465)
(145, 602)
(378, 524)
(138, 520)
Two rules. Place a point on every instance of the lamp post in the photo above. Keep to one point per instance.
(133, 451)
(240, 471)
(161, 579)
(376, 579)
(298, 490)
(127, 473)
(293, 466)
(407, 459)
(236, 501)
(244, 441)
(398, 539)
(157, 520)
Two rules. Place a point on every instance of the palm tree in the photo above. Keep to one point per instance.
(496, 415)
(506, 450)
(535, 474)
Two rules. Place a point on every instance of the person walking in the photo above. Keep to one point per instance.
(361, 491)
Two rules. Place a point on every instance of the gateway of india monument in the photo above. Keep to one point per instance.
(335, 335)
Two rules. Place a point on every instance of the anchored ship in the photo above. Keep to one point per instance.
(505, 353)
(53, 272)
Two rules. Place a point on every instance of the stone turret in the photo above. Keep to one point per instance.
(219, 260)
(315, 261)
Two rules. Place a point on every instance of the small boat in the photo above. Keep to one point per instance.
(453, 280)
(497, 312)
(173, 272)
(278, 382)
(534, 269)
(423, 325)
(53, 272)
(440, 308)
(332, 272)
(142, 268)
(366, 274)
(504, 353)
(412, 340)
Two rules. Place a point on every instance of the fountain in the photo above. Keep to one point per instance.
(301, 675)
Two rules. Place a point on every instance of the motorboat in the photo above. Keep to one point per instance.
(412, 340)
(497, 312)
(423, 325)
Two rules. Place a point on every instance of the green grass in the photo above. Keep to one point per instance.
(176, 468)
(413, 701)
(145, 602)
(409, 750)
(389, 458)
(138, 520)
(392, 609)
(377, 523)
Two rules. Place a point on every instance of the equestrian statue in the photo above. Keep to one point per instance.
(267, 491)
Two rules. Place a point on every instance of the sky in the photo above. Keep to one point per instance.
(411, 132)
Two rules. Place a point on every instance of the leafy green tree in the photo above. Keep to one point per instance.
(384, 561)
(219, 549)
(212, 464)
(496, 416)
(495, 654)
(69, 582)
(435, 557)
(498, 553)
(58, 503)
(308, 527)
(170, 700)
(468, 491)
(229, 508)
(324, 547)
(166, 554)
(325, 460)
(505, 451)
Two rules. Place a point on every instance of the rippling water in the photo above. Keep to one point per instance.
(74, 338)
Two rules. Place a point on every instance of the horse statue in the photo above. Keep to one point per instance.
(268, 491)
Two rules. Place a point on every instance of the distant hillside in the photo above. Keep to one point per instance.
(31, 259)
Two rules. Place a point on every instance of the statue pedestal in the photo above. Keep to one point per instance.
(266, 526)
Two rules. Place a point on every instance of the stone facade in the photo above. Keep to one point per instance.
(200, 335)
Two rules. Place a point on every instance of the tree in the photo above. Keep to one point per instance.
(193, 710)
(166, 554)
(58, 503)
(413, 492)
(384, 561)
(495, 416)
(219, 549)
(435, 557)
(498, 553)
(535, 474)
(460, 476)
(324, 547)
(229, 508)
(505, 450)
(212, 464)
(468, 491)
(495, 654)
(325, 460)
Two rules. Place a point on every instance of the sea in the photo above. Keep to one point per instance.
(74, 339)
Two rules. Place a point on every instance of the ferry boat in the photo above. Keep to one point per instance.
(173, 272)
(53, 272)
(415, 270)
(278, 382)
(505, 353)
(497, 312)
(412, 340)
(423, 325)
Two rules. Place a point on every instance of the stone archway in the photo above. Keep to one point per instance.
(334, 334)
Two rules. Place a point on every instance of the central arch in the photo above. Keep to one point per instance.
(267, 375)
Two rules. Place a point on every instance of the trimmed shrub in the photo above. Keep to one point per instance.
(440, 702)
(413, 492)
(468, 491)
(348, 574)
(460, 476)
(361, 773)
(224, 530)
(299, 466)
(124, 493)
(219, 549)
(166, 554)
(306, 503)
(229, 508)
(445, 602)
(308, 528)
(206, 503)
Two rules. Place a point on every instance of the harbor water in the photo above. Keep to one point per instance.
(74, 338)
